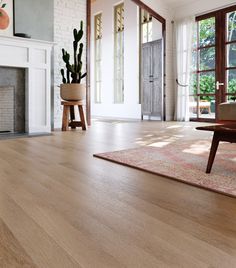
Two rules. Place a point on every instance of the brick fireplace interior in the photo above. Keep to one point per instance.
(12, 100)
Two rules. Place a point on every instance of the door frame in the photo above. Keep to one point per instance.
(220, 56)
(88, 53)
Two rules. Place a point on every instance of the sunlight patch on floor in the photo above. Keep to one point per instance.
(160, 144)
(158, 141)
(178, 126)
(198, 148)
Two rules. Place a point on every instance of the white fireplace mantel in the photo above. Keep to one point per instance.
(35, 57)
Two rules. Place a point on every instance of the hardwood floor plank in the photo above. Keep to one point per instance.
(12, 255)
(38, 245)
(93, 213)
(54, 186)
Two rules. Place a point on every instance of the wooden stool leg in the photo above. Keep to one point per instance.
(65, 119)
(82, 118)
(214, 147)
(72, 115)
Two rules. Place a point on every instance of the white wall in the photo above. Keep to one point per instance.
(131, 107)
(67, 16)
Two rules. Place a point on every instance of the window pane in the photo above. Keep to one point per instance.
(98, 75)
(98, 71)
(231, 55)
(193, 106)
(146, 27)
(231, 78)
(145, 34)
(207, 58)
(207, 107)
(193, 84)
(231, 31)
(119, 18)
(207, 83)
(119, 54)
(150, 31)
(231, 98)
(98, 49)
(98, 26)
(98, 92)
(194, 60)
(207, 32)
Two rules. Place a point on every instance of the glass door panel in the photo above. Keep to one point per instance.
(231, 26)
(214, 77)
(231, 85)
(229, 93)
(203, 88)
(207, 32)
(231, 55)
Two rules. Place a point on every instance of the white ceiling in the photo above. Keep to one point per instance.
(177, 3)
(172, 3)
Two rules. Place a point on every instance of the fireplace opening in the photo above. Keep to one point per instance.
(5, 132)
(12, 100)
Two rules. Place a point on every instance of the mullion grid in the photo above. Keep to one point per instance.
(228, 68)
(98, 57)
(198, 72)
(146, 21)
(119, 54)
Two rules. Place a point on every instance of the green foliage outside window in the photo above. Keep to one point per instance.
(207, 86)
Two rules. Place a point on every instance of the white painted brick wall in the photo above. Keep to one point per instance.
(7, 109)
(67, 16)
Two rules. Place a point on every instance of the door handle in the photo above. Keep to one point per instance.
(218, 84)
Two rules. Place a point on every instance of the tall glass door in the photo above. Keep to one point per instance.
(214, 77)
(229, 92)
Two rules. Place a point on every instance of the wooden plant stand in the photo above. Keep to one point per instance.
(68, 119)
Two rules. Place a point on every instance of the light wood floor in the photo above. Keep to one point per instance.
(60, 207)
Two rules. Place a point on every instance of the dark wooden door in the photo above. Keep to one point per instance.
(152, 79)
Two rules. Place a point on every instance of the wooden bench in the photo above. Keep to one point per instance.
(68, 119)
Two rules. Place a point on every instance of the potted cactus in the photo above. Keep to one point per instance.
(71, 88)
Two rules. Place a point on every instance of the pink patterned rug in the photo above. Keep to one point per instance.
(184, 161)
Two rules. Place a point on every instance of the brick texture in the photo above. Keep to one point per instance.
(67, 16)
(7, 109)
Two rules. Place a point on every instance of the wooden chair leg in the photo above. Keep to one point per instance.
(82, 118)
(65, 119)
(214, 147)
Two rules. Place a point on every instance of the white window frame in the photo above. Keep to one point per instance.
(146, 27)
(119, 53)
(98, 57)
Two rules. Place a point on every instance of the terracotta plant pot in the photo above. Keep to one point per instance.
(4, 19)
(73, 92)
